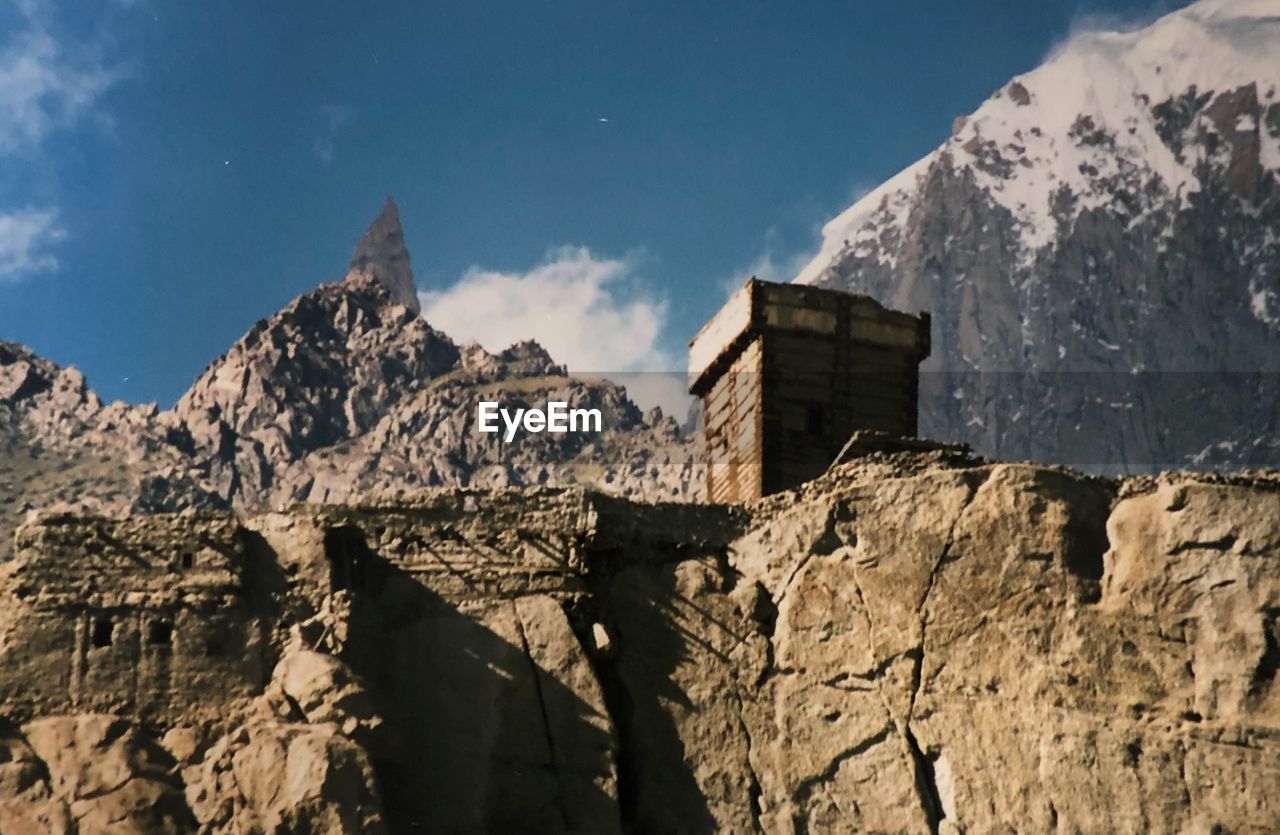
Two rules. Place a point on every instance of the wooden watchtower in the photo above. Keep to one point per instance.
(788, 372)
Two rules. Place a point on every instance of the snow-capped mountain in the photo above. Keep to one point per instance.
(1099, 244)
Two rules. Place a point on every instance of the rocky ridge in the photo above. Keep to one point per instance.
(1097, 246)
(347, 390)
(344, 391)
(61, 446)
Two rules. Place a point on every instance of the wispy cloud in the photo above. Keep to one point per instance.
(46, 83)
(1087, 23)
(26, 236)
(49, 82)
(776, 262)
(332, 117)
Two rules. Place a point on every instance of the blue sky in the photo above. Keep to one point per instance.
(172, 171)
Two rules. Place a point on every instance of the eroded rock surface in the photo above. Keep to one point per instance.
(917, 642)
(92, 773)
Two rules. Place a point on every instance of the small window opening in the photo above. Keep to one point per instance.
(160, 633)
(214, 646)
(352, 565)
(188, 559)
(813, 420)
(102, 629)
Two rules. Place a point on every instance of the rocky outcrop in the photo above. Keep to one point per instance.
(300, 763)
(285, 778)
(916, 642)
(382, 253)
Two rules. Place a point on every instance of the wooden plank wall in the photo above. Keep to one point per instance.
(819, 365)
(817, 390)
(732, 411)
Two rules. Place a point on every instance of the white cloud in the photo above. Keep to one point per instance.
(46, 85)
(586, 311)
(593, 315)
(25, 236)
(775, 263)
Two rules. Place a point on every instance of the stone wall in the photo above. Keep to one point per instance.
(160, 618)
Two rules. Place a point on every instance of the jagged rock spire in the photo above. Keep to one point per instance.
(382, 252)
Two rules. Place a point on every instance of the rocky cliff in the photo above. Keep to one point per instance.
(917, 642)
(1097, 244)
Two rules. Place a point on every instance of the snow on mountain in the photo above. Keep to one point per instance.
(1086, 117)
(1114, 212)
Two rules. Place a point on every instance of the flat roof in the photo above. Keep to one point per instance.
(761, 305)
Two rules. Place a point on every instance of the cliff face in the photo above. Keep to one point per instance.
(1097, 246)
(916, 643)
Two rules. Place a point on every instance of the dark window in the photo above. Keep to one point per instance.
(352, 565)
(188, 560)
(214, 645)
(102, 629)
(813, 420)
(160, 633)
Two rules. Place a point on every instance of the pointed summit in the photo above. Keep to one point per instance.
(382, 252)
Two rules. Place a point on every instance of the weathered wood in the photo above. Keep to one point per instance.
(787, 373)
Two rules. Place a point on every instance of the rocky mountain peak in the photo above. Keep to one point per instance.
(381, 252)
(1111, 214)
(344, 392)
